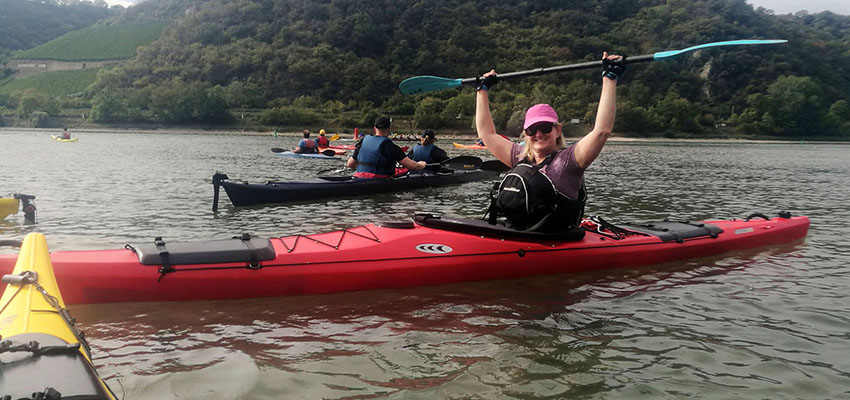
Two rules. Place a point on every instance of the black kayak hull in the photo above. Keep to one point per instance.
(252, 194)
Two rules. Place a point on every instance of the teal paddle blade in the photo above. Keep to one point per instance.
(427, 83)
(673, 53)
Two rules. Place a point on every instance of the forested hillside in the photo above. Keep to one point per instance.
(340, 61)
(25, 24)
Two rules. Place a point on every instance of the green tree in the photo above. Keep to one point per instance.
(30, 102)
(39, 119)
(794, 105)
(429, 113)
(837, 119)
(677, 113)
(107, 107)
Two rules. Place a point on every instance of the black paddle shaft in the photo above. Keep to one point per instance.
(560, 68)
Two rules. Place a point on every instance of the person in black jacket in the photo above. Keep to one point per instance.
(427, 151)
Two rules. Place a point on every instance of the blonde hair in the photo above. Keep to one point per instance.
(560, 143)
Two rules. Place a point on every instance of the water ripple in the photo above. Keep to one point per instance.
(766, 323)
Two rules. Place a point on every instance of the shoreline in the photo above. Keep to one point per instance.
(444, 137)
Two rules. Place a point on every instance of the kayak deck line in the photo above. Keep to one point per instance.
(521, 252)
(334, 246)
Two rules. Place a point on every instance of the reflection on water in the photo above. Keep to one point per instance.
(766, 323)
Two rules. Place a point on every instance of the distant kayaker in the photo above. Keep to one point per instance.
(65, 133)
(322, 141)
(427, 151)
(306, 145)
(376, 156)
(544, 191)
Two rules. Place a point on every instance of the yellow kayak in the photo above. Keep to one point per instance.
(8, 206)
(59, 139)
(42, 352)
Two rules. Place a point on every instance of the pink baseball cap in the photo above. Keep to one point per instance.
(540, 113)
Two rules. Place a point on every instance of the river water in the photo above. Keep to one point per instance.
(766, 323)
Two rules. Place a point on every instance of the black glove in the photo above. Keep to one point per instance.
(613, 68)
(487, 82)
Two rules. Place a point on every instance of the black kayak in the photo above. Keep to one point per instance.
(251, 194)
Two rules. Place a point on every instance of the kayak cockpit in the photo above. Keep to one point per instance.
(667, 231)
(483, 228)
(29, 355)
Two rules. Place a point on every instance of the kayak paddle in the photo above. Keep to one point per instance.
(494, 165)
(460, 163)
(428, 83)
(334, 137)
(335, 174)
(328, 152)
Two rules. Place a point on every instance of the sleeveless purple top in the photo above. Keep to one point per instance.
(563, 170)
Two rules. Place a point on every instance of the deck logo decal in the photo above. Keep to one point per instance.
(434, 248)
(743, 230)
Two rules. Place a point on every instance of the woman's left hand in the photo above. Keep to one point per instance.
(613, 66)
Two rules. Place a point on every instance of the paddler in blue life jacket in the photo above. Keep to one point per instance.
(306, 145)
(427, 151)
(322, 141)
(544, 190)
(376, 156)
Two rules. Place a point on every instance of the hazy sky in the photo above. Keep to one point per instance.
(125, 3)
(812, 6)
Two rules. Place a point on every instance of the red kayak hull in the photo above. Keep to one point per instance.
(469, 146)
(342, 147)
(376, 257)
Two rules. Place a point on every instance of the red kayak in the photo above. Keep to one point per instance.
(469, 146)
(338, 152)
(341, 147)
(427, 251)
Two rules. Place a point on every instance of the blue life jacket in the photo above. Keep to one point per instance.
(371, 159)
(423, 153)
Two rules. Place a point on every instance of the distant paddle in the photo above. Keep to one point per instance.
(428, 83)
(328, 152)
(334, 137)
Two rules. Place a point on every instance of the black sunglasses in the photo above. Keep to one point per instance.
(542, 127)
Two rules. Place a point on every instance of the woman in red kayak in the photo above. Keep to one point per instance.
(544, 191)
